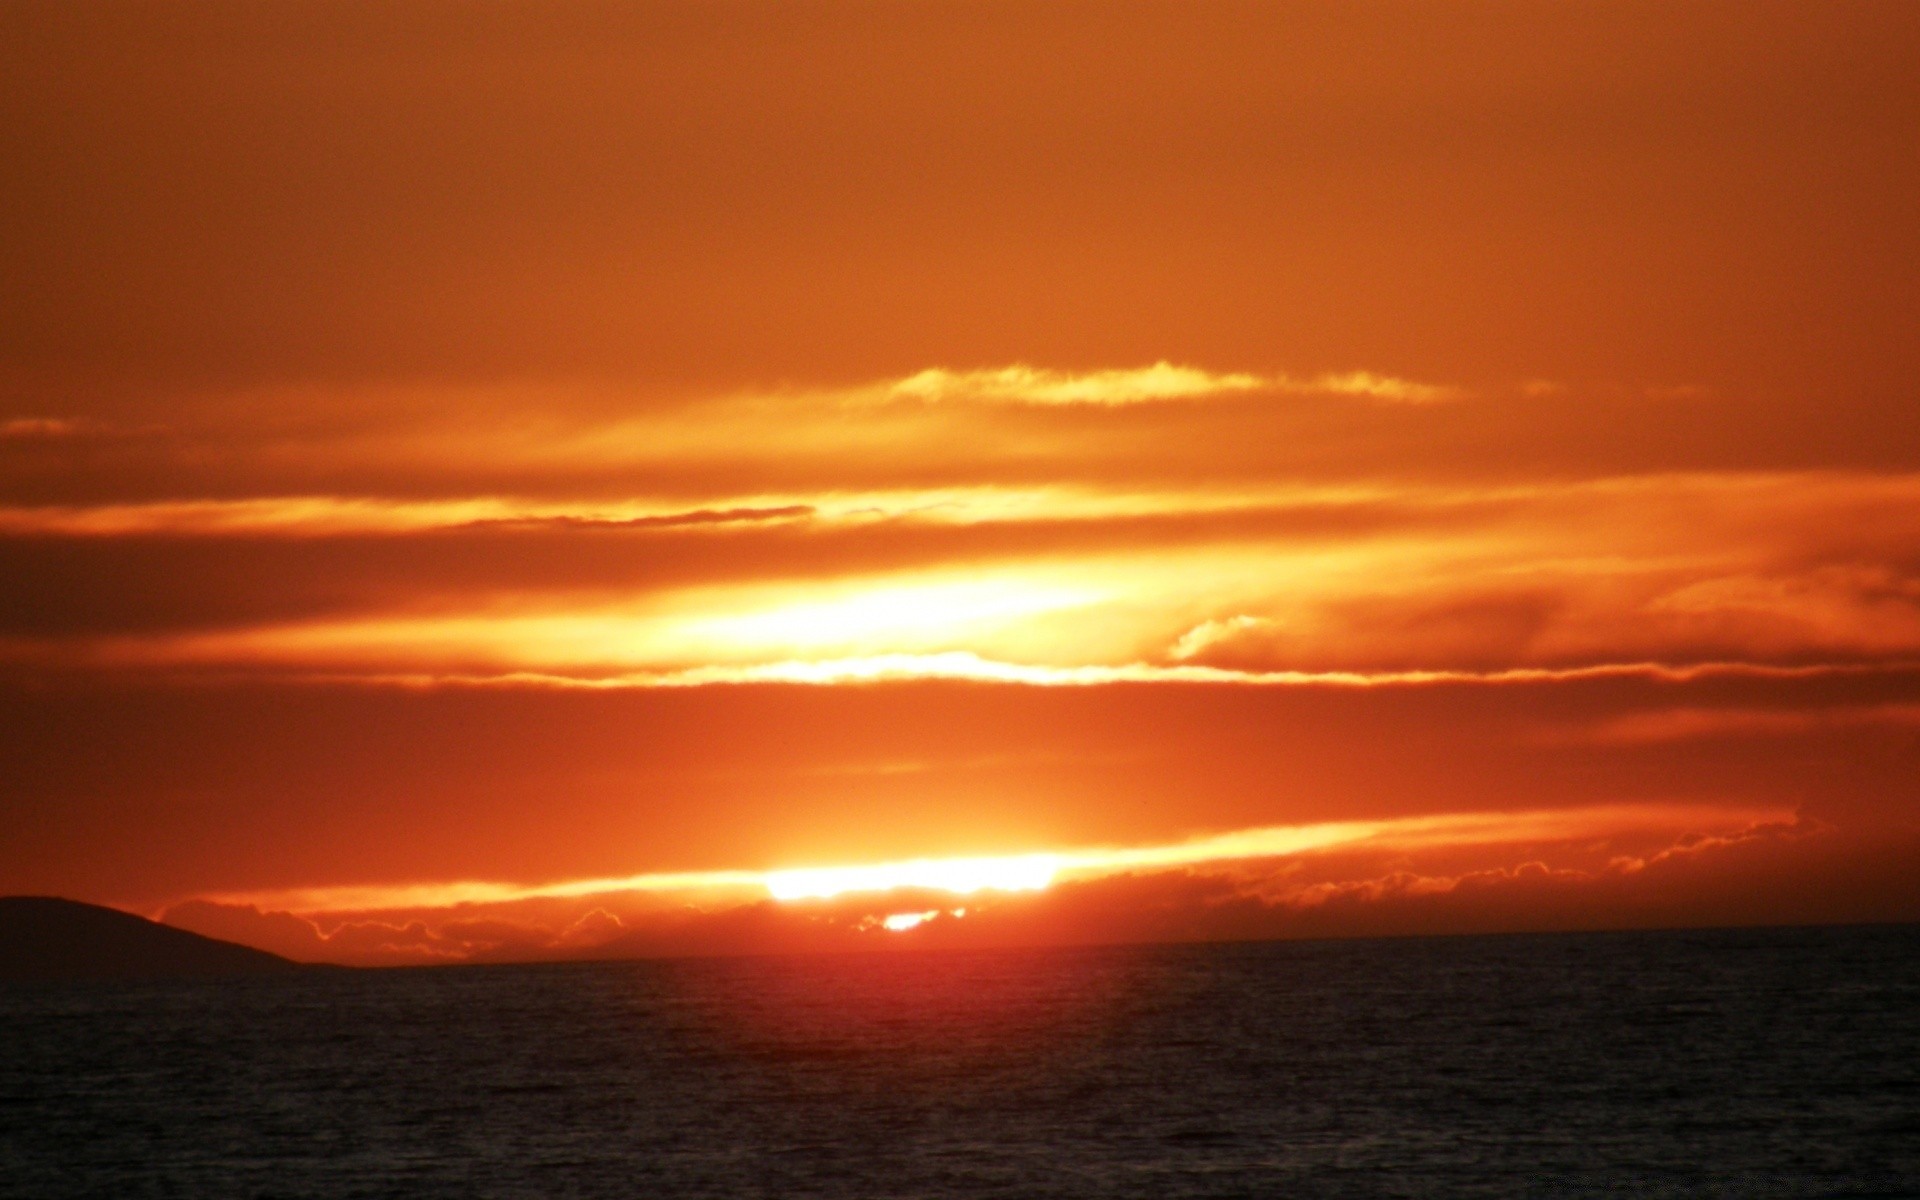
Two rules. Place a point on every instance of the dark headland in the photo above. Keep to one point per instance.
(43, 938)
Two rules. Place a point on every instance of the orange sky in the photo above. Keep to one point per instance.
(498, 481)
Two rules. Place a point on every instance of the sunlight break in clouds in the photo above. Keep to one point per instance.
(868, 615)
(1022, 384)
(337, 516)
(961, 876)
(962, 665)
(901, 922)
(1785, 567)
(1037, 871)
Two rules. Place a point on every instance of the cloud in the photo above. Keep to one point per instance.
(1384, 388)
(1783, 568)
(1565, 878)
(455, 935)
(1870, 606)
(964, 875)
(64, 434)
(275, 931)
(382, 898)
(960, 666)
(1212, 634)
(1163, 381)
(345, 516)
(1030, 385)
(1693, 723)
(24, 428)
(675, 520)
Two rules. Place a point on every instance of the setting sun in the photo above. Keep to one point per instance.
(901, 922)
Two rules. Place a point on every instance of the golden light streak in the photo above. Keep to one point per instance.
(538, 429)
(960, 876)
(333, 516)
(878, 622)
(938, 609)
(901, 922)
(1023, 384)
(1603, 577)
(336, 516)
(1746, 498)
(1032, 385)
(968, 667)
(1411, 833)
(390, 897)
(1038, 871)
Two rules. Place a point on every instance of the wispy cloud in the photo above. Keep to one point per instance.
(65, 428)
(960, 665)
(1035, 869)
(965, 667)
(24, 428)
(1695, 723)
(371, 898)
(1183, 888)
(1384, 388)
(325, 516)
(1022, 384)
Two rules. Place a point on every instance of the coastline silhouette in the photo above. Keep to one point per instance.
(45, 938)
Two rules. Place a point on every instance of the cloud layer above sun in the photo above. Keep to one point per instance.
(1104, 522)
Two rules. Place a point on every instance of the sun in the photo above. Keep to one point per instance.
(901, 922)
(960, 876)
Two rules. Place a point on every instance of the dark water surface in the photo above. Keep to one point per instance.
(1739, 1063)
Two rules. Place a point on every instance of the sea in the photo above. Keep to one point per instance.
(1752, 1063)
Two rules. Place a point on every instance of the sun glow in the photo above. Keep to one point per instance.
(1038, 871)
(901, 922)
(961, 876)
(885, 615)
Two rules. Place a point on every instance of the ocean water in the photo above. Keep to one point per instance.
(1730, 1063)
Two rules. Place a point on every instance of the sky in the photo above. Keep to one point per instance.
(541, 480)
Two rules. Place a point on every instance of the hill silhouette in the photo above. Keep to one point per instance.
(44, 938)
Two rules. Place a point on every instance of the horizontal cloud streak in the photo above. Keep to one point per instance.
(1021, 384)
(961, 666)
(334, 516)
(1465, 872)
(1028, 385)
(40, 427)
(1759, 724)
(1240, 846)
(1781, 568)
